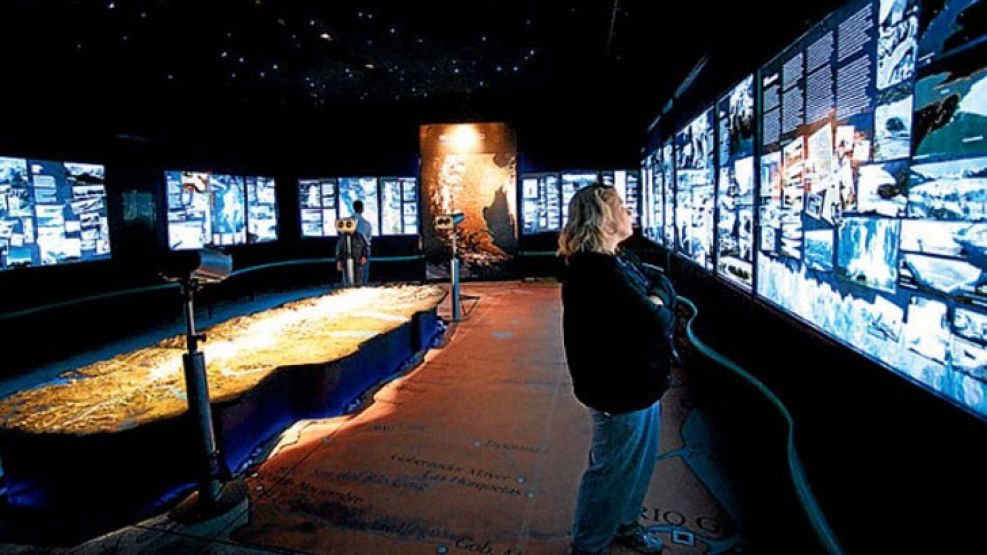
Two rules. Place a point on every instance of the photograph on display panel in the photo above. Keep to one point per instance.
(205, 209)
(317, 205)
(949, 190)
(262, 210)
(646, 203)
(391, 212)
(893, 125)
(735, 185)
(17, 243)
(310, 207)
(668, 192)
(398, 206)
(695, 189)
(364, 189)
(632, 192)
(892, 258)
(188, 209)
(409, 197)
(633, 199)
(897, 49)
(52, 213)
(950, 89)
(882, 189)
(658, 192)
(652, 201)
(541, 209)
(951, 107)
(470, 168)
(628, 187)
(228, 205)
(571, 182)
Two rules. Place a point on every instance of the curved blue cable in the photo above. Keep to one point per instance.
(808, 501)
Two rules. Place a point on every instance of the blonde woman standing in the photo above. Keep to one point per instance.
(618, 319)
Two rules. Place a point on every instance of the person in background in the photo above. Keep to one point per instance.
(359, 253)
(366, 229)
(617, 324)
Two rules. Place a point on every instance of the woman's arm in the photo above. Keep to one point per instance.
(636, 306)
(659, 284)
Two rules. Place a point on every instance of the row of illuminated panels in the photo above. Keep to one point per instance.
(56, 212)
(698, 188)
(390, 204)
(207, 209)
(545, 196)
(853, 193)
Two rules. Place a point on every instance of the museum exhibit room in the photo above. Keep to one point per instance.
(493, 277)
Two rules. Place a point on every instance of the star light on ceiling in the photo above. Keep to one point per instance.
(487, 55)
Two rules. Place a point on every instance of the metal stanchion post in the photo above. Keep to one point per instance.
(349, 279)
(197, 393)
(346, 227)
(213, 497)
(448, 222)
(454, 275)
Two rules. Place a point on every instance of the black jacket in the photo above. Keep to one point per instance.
(617, 341)
(359, 244)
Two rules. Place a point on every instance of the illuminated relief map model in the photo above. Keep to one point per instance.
(146, 385)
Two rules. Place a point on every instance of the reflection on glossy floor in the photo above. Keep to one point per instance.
(479, 450)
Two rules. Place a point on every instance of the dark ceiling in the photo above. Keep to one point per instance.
(579, 81)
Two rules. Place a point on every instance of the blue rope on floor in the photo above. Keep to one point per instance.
(802, 489)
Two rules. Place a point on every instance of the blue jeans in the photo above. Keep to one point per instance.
(621, 460)
(364, 271)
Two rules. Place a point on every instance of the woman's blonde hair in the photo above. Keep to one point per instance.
(591, 212)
